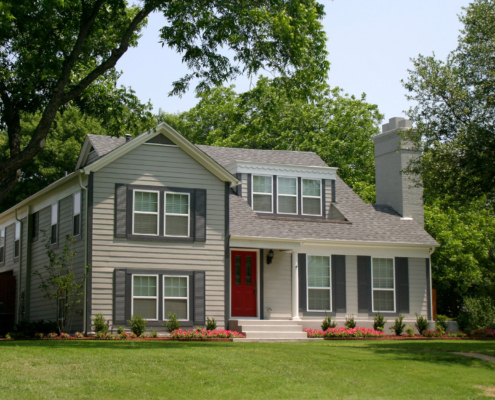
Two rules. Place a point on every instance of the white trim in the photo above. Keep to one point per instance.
(177, 215)
(78, 214)
(263, 194)
(17, 238)
(383, 289)
(145, 297)
(179, 298)
(287, 195)
(160, 144)
(318, 288)
(311, 197)
(157, 213)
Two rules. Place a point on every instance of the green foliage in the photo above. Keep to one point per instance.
(211, 324)
(399, 325)
(100, 323)
(120, 330)
(172, 322)
(30, 328)
(441, 323)
(409, 331)
(477, 313)
(422, 323)
(338, 127)
(138, 324)
(349, 322)
(153, 333)
(327, 323)
(379, 322)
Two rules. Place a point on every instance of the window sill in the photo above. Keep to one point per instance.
(161, 238)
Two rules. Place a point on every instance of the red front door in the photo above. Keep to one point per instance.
(243, 283)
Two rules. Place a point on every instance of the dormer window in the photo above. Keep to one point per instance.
(262, 193)
(287, 195)
(311, 197)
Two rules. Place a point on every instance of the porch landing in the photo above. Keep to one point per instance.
(269, 330)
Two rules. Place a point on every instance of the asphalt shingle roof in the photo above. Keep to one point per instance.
(105, 144)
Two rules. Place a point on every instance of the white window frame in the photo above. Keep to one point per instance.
(165, 213)
(165, 317)
(157, 213)
(311, 197)
(265, 194)
(17, 238)
(145, 297)
(56, 223)
(382, 289)
(74, 214)
(288, 195)
(3, 246)
(318, 288)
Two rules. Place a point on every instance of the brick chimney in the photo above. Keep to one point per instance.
(393, 151)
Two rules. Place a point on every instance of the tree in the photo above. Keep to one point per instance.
(338, 127)
(456, 108)
(56, 54)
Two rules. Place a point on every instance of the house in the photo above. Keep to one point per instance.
(265, 241)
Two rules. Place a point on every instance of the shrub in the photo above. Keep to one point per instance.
(211, 324)
(28, 329)
(477, 313)
(399, 325)
(100, 323)
(355, 332)
(52, 335)
(204, 334)
(349, 322)
(379, 322)
(153, 333)
(64, 336)
(120, 330)
(432, 333)
(441, 323)
(422, 323)
(410, 331)
(79, 335)
(138, 324)
(39, 335)
(9, 336)
(327, 323)
(455, 334)
(172, 323)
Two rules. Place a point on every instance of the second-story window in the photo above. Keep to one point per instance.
(76, 214)
(287, 195)
(2, 245)
(35, 221)
(54, 224)
(17, 239)
(311, 197)
(145, 215)
(177, 214)
(262, 193)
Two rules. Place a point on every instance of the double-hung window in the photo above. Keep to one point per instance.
(35, 221)
(177, 214)
(262, 193)
(76, 214)
(175, 296)
(287, 195)
(54, 224)
(17, 239)
(311, 197)
(145, 213)
(383, 285)
(2, 245)
(145, 296)
(319, 284)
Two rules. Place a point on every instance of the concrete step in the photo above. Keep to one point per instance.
(275, 335)
(270, 328)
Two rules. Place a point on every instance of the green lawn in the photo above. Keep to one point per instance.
(195, 370)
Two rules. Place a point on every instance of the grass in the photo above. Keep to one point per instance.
(320, 369)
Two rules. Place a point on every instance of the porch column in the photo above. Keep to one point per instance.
(295, 288)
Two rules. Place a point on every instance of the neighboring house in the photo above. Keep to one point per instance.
(240, 235)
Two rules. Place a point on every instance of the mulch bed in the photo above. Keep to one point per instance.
(394, 337)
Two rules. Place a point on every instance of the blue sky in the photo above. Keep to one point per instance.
(370, 44)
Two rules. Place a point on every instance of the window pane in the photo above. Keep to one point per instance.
(53, 234)
(177, 203)
(178, 307)
(144, 285)
(175, 286)
(383, 300)
(17, 230)
(287, 205)
(146, 201)
(383, 273)
(2, 239)
(311, 187)
(262, 202)
(311, 206)
(237, 270)
(76, 226)
(16, 248)
(262, 184)
(145, 307)
(319, 299)
(77, 203)
(176, 226)
(248, 271)
(146, 223)
(54, 216)
(287, 186)
(318, 271)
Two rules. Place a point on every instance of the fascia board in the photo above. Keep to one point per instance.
(83, 155)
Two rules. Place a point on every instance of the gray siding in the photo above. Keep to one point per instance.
(417, 286)
(157, 166)
(351, 285)
(92, 157)
(278, 286)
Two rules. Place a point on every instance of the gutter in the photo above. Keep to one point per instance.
(85, 247)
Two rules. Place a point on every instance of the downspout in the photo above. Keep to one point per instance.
(85, 247)
(20, 267)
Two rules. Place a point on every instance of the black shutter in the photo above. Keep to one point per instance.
(120, 210)
(199, 298)
(364, 284)
(200, 215)
(402, 283)
(119, 296)
(301, 266)
(338, 284)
